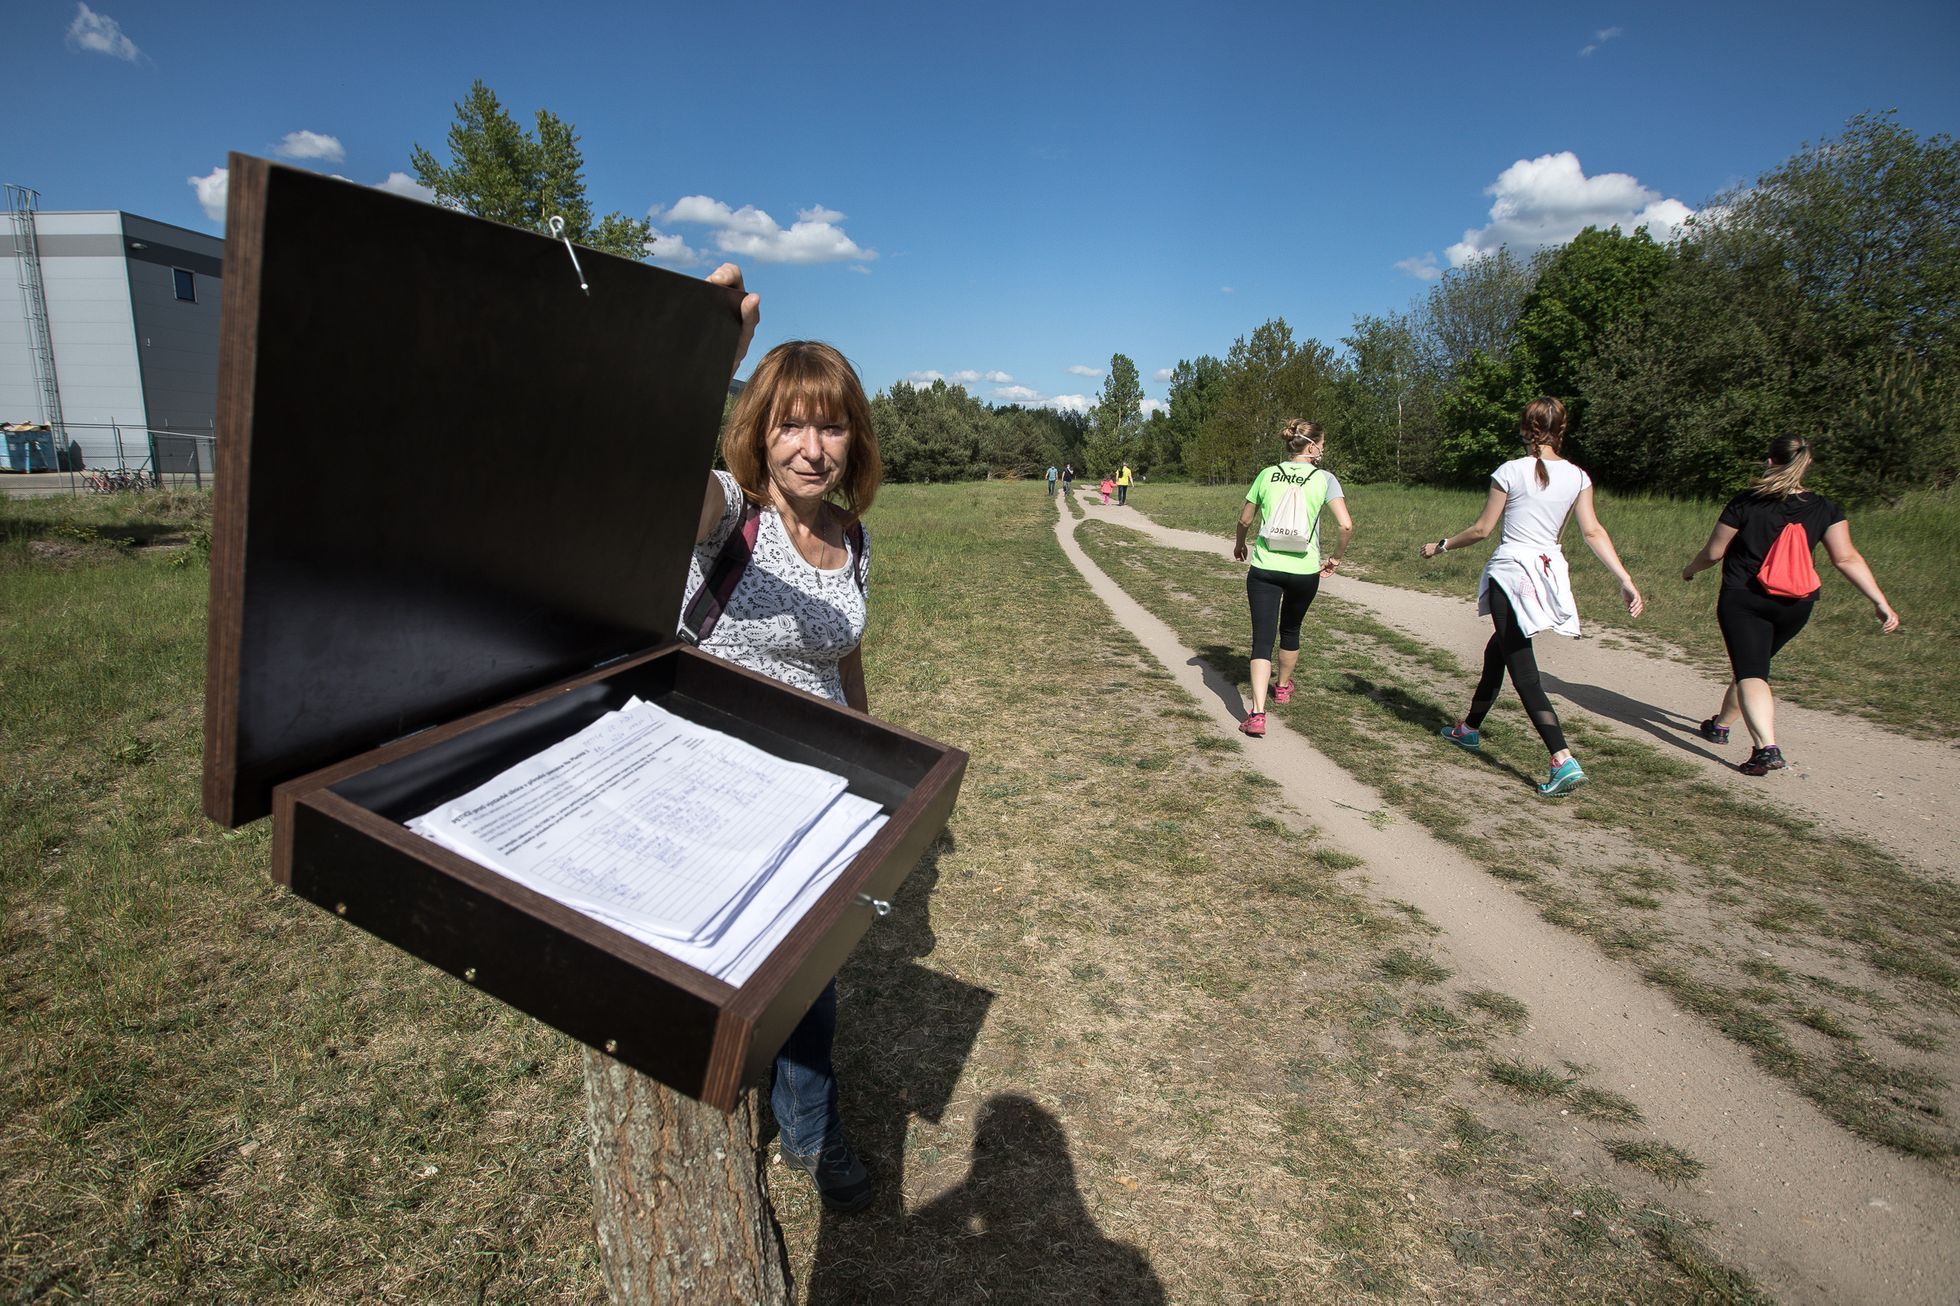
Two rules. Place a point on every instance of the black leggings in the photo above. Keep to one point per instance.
(1510, 648)
(1279, 602)
(1756, 627)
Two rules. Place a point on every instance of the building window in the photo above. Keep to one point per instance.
(186, 284)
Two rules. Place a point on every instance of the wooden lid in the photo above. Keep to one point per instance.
(446, 475)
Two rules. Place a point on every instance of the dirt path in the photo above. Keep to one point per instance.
(1816, 1213)
(1861, 778)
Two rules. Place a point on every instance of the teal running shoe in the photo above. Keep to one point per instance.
(1462, 736)
(1566, 777)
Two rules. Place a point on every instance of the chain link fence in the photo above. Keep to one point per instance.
(106, 455)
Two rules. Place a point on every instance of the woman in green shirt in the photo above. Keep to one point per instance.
(1287, 565)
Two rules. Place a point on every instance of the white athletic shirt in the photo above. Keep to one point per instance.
(1527, 563)
(1533, 514)
(786, 619)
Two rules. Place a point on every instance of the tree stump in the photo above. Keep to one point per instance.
(682, 1210)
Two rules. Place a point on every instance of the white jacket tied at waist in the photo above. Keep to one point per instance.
(1537, 583)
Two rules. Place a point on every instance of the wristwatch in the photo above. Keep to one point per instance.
(1443, 545)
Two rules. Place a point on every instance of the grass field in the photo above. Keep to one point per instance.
(1125, 1033)
(1841, 661)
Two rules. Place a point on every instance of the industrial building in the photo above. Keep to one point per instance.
(109, 336)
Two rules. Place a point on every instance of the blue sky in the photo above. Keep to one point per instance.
(1011, 190)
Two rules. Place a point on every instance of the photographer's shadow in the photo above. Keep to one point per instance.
(1015, 1228)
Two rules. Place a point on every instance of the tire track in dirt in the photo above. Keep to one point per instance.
(1895, 791)
(1816, 1213)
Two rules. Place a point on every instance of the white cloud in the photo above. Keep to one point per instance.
(211, 192)
(1163, 374)
(1076, 369)
(1067, 403)
(1601, 37)
(926, 377)
(966, 376)
(1549, 200)
(662, 248)
(1422, 269)
(1149, 406)
(310, 145)
(1017, 394)
(751, 233)
(999, 377)
(1227, 290)
(400, 183)
(100, 34)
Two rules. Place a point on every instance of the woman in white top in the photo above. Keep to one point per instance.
(1525, 587)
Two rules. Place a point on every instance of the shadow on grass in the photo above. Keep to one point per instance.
(1017, 1221)
(1427, 716)
(1682, 732)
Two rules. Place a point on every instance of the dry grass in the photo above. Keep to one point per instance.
(1124, 1035)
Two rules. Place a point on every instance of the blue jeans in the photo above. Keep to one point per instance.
(802, 1084)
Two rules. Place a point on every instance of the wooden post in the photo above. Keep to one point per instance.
(678, 1193)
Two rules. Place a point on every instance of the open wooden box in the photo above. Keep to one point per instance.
(456, 496)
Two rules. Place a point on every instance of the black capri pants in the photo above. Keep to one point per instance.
(1756, 627)
(1279, 600)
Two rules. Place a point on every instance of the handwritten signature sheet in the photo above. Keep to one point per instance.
(686, 838)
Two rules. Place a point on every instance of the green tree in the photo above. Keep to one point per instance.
(1385, 419)
(1480, 414)
(499, 171)
(1600, 278)
(1268, 379)
(929, 432)
(1116, 420)
(1474, 309)
(1196, 388)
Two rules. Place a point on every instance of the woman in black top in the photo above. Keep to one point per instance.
(1755, 622)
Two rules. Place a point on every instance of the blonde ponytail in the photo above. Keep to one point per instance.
(1789, 459)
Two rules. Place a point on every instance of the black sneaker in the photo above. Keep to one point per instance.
(1763, 761)
(840, 1178)
(1713, 733)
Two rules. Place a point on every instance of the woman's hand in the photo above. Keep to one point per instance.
(1888, 619)
(1631, 597)
(1688, 572)
(731, 276)
(1239, 552)
(1428, 550)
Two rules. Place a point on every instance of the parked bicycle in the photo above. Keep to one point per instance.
(107, 480)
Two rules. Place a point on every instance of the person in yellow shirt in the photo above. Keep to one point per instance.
(1123, 485)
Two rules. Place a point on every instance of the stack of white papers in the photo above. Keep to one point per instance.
(685, 838)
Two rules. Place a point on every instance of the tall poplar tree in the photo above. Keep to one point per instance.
(497, 170)
(1116, 421)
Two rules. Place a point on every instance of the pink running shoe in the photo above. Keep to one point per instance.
(1283, 693)
(1254, 725)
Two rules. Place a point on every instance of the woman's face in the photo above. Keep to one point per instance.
(806, 455)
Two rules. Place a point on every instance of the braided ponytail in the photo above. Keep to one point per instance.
(1543, 427)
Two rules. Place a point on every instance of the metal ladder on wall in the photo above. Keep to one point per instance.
(21, 206)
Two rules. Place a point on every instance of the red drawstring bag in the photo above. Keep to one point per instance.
(1787, 571)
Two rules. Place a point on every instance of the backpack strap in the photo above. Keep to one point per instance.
(718, 586)
(698, 622)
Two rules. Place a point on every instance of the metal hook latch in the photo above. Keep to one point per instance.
(557, 225)
(878, 906)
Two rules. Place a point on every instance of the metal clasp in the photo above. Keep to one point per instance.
(878, 906)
